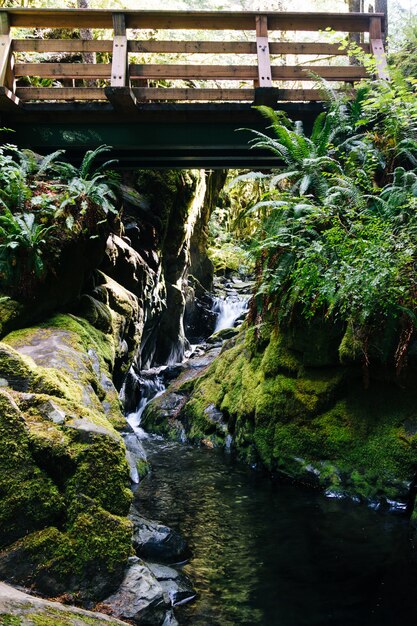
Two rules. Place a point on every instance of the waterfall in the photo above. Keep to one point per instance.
(151, 385)
(228, 310)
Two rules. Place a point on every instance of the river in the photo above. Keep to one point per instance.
(272, 554)
(268, 553)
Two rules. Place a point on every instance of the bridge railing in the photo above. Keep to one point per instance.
(259, 60)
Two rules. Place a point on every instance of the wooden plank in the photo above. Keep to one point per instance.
(160, 93)
(119, 59)
(262, 48)
(377, 47)
(236, 47)
(177, 47)
(64, 70)
(154, 93)
(246, 72)
(61, 45)
(8, 100)
(218, 72)
(60, 93)
(122, 98)
(215, 20)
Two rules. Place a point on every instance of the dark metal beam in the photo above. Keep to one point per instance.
(164, 135)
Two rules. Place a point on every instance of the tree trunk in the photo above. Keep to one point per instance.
(354, 7)
(381, 6)
(86, 33)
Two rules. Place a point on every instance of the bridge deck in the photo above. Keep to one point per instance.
(171, 94)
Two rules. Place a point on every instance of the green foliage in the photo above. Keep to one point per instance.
(22, 246)
(338, 237)
(44, 204)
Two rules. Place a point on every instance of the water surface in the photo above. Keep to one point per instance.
(272, 554)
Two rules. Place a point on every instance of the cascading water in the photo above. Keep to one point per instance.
(228, 310)
(151, 384)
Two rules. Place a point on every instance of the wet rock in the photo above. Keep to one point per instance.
(222, 335)
(161, 409)
(175, 584)
(170, 619)
(135, 455)
(156, 541)
(140, 597)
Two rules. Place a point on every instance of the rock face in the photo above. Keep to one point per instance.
(65, 469)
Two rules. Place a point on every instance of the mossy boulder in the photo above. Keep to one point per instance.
(29, 499)
(313, 424)
(64, 477)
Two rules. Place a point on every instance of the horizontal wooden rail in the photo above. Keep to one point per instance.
(178, 47)
(246, 72)
(200, 20)
(63, 70)
(198, 72)
(70, 94)
(28, 94)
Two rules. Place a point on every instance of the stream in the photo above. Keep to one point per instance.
(270, 553)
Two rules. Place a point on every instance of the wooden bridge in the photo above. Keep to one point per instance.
(147, 83)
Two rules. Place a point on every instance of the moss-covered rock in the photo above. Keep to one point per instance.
(314, 424)
(64, 476)
(29, 499)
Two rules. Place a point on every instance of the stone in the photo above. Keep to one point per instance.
(175, 584)
(170, 619)
(134, 452)
(25, 610)
(156, 541)
(50, 411)
(87, 429)
(221, 335)
(140, 597)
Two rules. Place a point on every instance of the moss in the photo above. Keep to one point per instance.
(351, 347)
(96, 544)
(7, 619)
(314, 424)
(11, 313)
(278, 359)
(48, 616)
(99, 537)
(102, 473)
(29, 499)
(228, 258)
(143, 468)
(73, 363)
(16, 370)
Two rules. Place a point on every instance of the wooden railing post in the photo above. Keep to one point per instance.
(119, 62)
(119, 93)
(8, 99)
(262, 49)
(264, 93)
(377, 47)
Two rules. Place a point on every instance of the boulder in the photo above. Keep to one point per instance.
(23, 609)
(140, 597)
(156, 541)
(175, 584)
